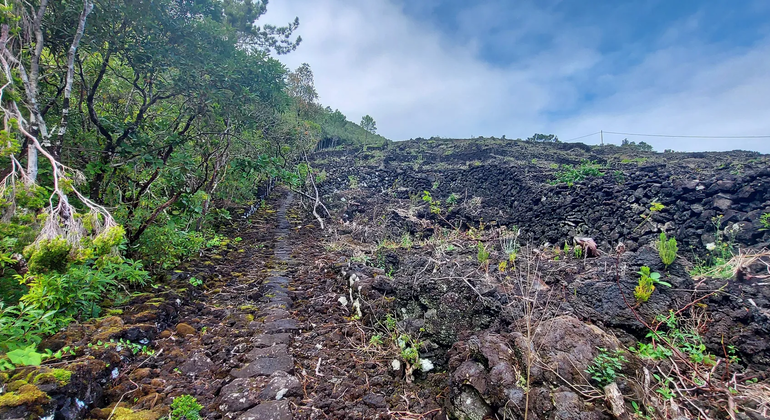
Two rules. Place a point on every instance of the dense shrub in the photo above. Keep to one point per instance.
(162, 247)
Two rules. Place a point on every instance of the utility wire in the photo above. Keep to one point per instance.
(689, 137)
(582, 137)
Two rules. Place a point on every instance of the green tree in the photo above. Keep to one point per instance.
(369, 125)
(544, 138)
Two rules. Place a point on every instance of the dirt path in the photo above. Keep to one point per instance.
(229, 343)
(253, 329)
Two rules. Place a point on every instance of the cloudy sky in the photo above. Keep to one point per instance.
(458, 68)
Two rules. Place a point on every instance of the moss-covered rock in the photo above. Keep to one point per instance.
(27, 394)
(58, 376)
(122, 413)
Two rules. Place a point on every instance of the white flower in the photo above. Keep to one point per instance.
(711, 246)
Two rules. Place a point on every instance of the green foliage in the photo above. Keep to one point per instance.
(641, 146)
(24, 324)
(194, 281)
(569, 174)
(53, 299)
(651, 351)
(353, 181)
(578, 252)
(48, 255)
(109, 241)
(764, 220)
(544, 138)
(667, 249)
(25, 356)
(482, 254)
(185, 407)
(654, 208)
(606, 366)
(435, 205)
(646, 285)
(717, 264)
(166, 246)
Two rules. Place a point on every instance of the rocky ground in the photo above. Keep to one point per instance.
(391, 312)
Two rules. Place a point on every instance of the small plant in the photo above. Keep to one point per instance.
(194, 281)
(452, 199)
(509, 243)
(721, 250)
(646, 285)
(435, 205)
(606, 366)
(765, 221)
(353, 181)
(376, 340)
(651, 351)
(482, 254)
(185, 407)
(667, 249)
(578, 252)
(406, 241)
(502, 266)
(655, 207)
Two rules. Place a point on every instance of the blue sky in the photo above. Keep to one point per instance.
(460, 68)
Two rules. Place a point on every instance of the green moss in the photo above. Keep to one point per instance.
(126, 414)
(25, 395)
(250, 317)
(114, 312)
(4, 377)
(15, 385)
(48, 255)
(60, 376)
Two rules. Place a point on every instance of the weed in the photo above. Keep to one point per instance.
(606, 366)
(435, 205)
(194, 281)
(502, 266)
(655, 207)
(353, 182)
(667, 249)
(376, 340)
(578, 252)
(482, 254)
(721, 252)
(406, 241)
(570, 174)
(765, 221)
(509, 243)
(646, 285)
(185, 407)
(452, 199)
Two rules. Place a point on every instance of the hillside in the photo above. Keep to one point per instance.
(452, 279)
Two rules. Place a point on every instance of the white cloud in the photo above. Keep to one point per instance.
(368, 57)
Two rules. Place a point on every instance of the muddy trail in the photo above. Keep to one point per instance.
(252, 329)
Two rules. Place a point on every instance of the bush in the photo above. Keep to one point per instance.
(164, 247)
(48, 255)
(185, 407)
(570, 174)
(606, 366)
(54, 299)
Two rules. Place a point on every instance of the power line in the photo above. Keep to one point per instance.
(582, 137)
(685, 136)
